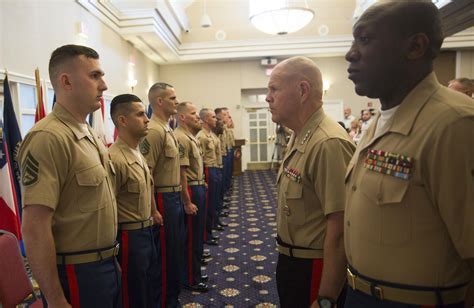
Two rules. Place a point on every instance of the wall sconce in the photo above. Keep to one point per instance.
(326, 85)
(132, 83)
(82, 30)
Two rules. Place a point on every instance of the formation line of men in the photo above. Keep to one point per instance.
(150, 202)
(388, 222)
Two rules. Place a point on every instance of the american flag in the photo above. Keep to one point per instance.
(10, 195)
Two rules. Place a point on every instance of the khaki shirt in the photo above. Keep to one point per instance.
(311, 181)
(190, 154)
(419, 230)
(231, 137)
(133, 182)
(210, 147)
(160, 149)
(223, 141)
(67, 170)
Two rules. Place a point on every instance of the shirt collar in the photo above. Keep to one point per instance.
(127, 152)
(68, 119)
(159, 121)
(308, 129)
(405, 117)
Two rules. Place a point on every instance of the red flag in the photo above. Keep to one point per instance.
(10, 139)
(40, 113)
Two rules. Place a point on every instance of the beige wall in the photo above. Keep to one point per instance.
(465, 64)
(220, 84)
(32, 29)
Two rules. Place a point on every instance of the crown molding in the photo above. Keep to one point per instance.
(156, 31)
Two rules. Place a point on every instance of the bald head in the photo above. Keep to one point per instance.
(299, 69)
(407, 18)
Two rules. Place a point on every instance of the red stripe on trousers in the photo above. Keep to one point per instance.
(206, 172)
(124, 264)
(190, 243)
(317, 271)
(73, 286)
(159, 200)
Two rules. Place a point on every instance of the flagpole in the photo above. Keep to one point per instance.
(38, 90)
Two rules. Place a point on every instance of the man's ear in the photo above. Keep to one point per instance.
(304, 90)
(418, 45)
(65, 81)
(122, 120)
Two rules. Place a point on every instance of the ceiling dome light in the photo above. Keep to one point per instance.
(279, 17)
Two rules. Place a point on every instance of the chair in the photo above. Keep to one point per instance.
(15, 285)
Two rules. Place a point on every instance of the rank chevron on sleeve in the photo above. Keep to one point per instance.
(30, 170)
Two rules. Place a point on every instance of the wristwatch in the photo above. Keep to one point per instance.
(326, 302)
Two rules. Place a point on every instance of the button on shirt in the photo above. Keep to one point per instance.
(133, 182)
(412, 224)
(190, 154)
(311, 181)
(74, 178)
(160, 149)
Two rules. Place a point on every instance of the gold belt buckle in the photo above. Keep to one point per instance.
(116, 250)
(353, 277)
(377, 292)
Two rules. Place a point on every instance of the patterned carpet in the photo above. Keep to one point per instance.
(242, 269)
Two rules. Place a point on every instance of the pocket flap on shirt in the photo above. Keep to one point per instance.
(294, 191)
(93, 176)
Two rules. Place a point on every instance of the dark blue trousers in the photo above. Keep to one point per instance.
(94, 284)
(194, 237)
(212, 180)
(357, 299)
(170, 246)
(138, 259)
(230, 157)
(220, 193)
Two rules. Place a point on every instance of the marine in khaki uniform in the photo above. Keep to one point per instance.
(310, 189)
(409, 235)
(70, 214)
(136, 210)
(193, 194)
(212, 160)
(160, 148)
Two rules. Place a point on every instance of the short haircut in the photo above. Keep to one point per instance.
(464, 82)
(120, 105)
(218, 111)
(64, 54)
(410, 17)
(156, 90)
(182, 107)
(203, 113)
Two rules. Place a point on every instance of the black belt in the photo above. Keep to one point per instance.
(87, 256)
(415, 295)
(135, 225)
(298, 251)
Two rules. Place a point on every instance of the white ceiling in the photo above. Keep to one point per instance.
(169, 31)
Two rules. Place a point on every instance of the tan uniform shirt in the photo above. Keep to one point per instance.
(190, 154)
(69, 171)
(210, 147)
(311, 181)
(134, 183)
(231, 137)
(415, 227)
(223, 141)
(160, 149)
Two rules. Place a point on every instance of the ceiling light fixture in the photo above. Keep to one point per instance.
(280, 17)
(205, 19)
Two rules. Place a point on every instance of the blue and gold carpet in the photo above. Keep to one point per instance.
(242, 269)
